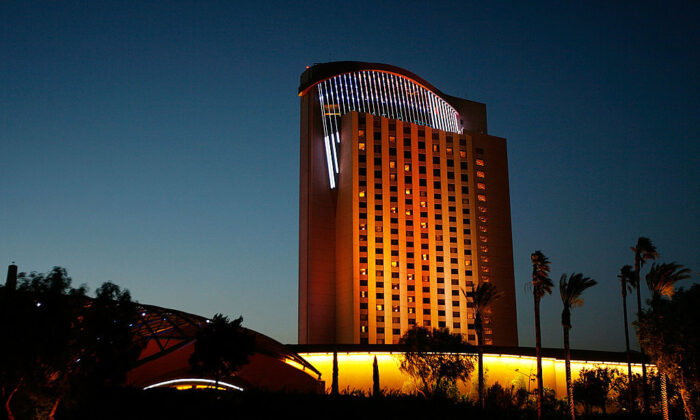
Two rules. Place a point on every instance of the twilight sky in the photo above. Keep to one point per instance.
(156, 144)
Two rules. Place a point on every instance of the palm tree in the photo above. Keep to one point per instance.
(570, 290)
(484, 296)
(643, 252)
(626, 277)
(661, 280)
(541, 284)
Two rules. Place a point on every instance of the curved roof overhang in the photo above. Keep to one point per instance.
(324, 71)
(161, 331)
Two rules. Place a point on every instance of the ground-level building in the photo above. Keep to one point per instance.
(509, 366)
(167, 338)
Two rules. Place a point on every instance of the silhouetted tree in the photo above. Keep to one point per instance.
(661, 280)
(436, 360)
(510, 399)
(483, 298)
(570, 290)
(221, 348)
(644, 250)
(626, 277)
(541, 285)
(668, 332)
(334, 383)
(593, 386)
(65, 345)
(376, 391)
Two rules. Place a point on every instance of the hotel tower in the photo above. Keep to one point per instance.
(403, 207)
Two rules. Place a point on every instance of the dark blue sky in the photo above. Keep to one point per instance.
(156, 144)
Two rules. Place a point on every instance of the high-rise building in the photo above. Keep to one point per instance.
(403, 204)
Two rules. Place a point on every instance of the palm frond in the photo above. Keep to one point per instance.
(572, 288)
(627, 277)
(662, 278)
(644, 250)
(485, 295)
(541, 283)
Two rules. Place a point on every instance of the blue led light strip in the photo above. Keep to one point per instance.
(381, 94)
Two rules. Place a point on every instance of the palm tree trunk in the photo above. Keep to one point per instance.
(538, 353)
(482, 399)
(645, 396)
(627, 347)
(688, 405)
(334, 384)
(569, 386)
(664, 396)
(11, 416)
(53, 409)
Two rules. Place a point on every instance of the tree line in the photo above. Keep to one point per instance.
(667, 331)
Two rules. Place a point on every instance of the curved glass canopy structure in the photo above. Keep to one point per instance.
(380, 93)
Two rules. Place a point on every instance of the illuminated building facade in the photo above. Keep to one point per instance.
(404, 203)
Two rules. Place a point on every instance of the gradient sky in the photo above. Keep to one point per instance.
(156, 144)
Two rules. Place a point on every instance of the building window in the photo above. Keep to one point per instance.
(481, 185)
(380, 307)
(480, 174)
(480, 162)
(361, 146)
(481, 197)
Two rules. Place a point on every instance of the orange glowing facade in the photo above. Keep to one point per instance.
(404, 204)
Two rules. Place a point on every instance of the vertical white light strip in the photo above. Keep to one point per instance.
(353, 92)
(395, 97)
(433, 112)
(407, 103)
(331, 175)
(386, 96)
(370, 94)
(370, 104)
(362, 96)
(438, 105)
(411, 92)
(425, 106)
(346, 93)
(329, 159)
(448, 118)
(378, 93)
(382, 96)
(420, 108)
(405, 108)
(443, 123)
(392, 93)
(409, 115)
(333, 120)
(336, 95)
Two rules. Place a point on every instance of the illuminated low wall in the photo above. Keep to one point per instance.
(355, 371)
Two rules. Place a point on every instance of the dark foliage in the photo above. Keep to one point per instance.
(592, 388)
(435, 358)
(668, 333)
(65, 345)
(222, 347)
